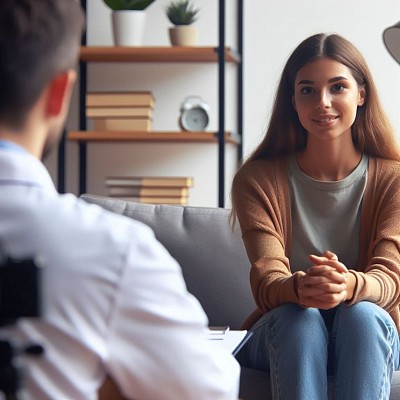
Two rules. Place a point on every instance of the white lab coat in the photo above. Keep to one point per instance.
(114, 301)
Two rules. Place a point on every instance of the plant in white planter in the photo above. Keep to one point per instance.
(128, 20)
(182, 14)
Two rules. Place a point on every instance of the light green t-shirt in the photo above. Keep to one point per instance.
(325, 215)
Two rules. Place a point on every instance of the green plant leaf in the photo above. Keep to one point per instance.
(128, 4)
(180, 12)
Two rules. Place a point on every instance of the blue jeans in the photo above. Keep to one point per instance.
(300, 347)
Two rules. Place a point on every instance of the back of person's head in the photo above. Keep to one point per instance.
(371, 128)
(38, 40)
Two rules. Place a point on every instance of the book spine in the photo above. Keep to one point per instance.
(123, 124)
(104, 112)
(155, 200)
(119, 99)
(149, 182)
(140, 191)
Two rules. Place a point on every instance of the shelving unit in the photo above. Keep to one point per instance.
(158, 136)
(157, 54)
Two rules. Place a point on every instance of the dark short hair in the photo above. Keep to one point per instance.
(38, 39)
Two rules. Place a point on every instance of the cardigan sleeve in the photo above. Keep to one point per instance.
(378, 274)
(261, 202)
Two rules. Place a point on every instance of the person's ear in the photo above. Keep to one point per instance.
(59, 91)
(361, 96)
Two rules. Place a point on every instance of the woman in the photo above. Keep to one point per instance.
(318, 204)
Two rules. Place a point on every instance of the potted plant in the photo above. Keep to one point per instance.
(182, 14)
(128, 20)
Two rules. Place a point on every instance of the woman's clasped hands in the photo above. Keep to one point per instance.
(326, 284)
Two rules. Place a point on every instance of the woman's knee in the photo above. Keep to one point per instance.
(294, 321)
(363, 317)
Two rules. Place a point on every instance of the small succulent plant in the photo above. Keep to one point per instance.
(181, 12)
(128, 4)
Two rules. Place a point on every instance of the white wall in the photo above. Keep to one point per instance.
(272, 29)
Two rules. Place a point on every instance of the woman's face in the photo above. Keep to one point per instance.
(326, 97)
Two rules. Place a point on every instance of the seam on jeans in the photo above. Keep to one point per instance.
(389, 358)
(334, 334)
(275, 384)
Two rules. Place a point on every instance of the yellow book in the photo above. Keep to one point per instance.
(123, 124)
(138, 191)
(111, 99)
(157, 200)
(149, 181)
(105, 112)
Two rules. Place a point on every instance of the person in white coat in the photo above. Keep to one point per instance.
(114, 301)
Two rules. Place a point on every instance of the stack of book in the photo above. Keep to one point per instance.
(120, 111)
(150, 189)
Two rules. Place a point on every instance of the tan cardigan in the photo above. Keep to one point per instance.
(260, 195)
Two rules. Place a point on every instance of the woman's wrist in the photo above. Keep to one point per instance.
(296, 277)
(350, 285)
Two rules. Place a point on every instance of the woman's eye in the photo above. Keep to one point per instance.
(338, 87)
(306, 90)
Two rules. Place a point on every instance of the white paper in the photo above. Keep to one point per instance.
(230, 339)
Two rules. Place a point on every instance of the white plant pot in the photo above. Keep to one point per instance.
(184, 35)
(128, 27)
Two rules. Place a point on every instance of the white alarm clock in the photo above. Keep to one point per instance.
(194, 114)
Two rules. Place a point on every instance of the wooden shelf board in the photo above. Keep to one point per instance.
(154, 136)
(154, 54)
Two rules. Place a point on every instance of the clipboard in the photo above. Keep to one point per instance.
(242, 343)
(232, 340)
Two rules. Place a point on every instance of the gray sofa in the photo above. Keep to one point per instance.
(214, 265)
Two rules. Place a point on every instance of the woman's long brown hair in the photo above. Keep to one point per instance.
(372, 131)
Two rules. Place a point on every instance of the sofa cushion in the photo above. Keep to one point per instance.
(212, 255)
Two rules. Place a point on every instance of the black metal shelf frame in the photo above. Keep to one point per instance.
(221, 106)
